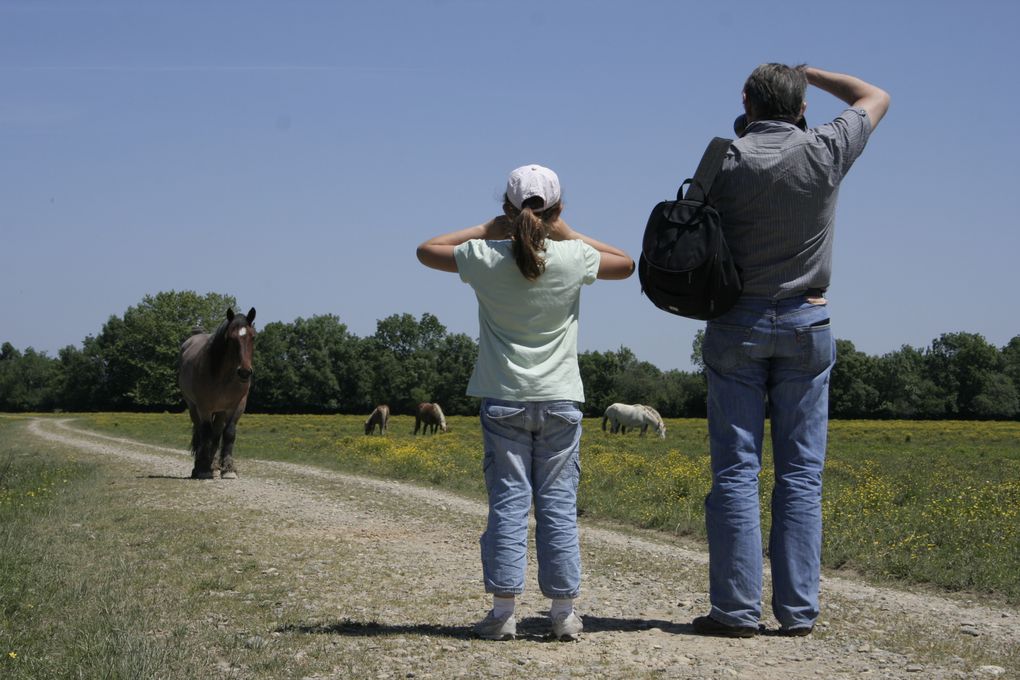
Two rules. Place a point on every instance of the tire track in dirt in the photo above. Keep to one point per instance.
(639, 593)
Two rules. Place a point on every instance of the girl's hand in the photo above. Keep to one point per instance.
(497, 229)
(561, 231)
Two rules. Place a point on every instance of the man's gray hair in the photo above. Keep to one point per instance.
(776, 92)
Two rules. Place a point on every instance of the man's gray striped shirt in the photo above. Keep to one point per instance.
(776, 194)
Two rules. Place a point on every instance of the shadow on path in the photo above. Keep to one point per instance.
(531, 627)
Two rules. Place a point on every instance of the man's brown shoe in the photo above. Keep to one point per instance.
(706, 625)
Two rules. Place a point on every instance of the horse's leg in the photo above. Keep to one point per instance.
(196, 436)
(227, 470)
(219, 423)
(204, 452)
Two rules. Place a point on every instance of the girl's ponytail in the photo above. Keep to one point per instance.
(528, 229)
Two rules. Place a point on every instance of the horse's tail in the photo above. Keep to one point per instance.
(604, 419)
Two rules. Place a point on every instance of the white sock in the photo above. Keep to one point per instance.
(560, 606)
(502, 606)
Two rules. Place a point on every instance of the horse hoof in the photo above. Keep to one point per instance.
(201, 475)
(228, 475)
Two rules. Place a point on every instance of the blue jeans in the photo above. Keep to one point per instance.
(781, 352)
(531, 452)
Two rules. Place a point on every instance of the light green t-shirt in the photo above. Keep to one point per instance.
(527, 346)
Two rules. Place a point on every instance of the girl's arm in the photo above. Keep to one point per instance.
(613, 264)
(437, 252)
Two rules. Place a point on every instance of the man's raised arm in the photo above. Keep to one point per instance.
(852, 90)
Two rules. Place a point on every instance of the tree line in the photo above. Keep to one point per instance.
(317, 365)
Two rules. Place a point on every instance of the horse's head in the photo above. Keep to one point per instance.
(240, 336)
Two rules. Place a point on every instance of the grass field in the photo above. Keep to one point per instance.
(920, 502)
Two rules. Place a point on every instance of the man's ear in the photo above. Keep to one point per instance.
(803, 108)
(748, 111)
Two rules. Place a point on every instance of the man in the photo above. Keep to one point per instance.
(776, 194)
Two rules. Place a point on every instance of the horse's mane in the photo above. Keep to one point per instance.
(652, 411)
(217, 342)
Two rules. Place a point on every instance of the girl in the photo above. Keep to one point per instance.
(527, 268)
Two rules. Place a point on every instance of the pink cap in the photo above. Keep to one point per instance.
(530, 181)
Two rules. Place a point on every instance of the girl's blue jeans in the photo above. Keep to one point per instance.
(777, 354)
(531, 454)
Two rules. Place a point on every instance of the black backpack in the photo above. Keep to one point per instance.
(685, 266)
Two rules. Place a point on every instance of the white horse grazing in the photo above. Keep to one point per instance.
(623, 416)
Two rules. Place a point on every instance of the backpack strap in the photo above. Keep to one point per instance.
(708, 168)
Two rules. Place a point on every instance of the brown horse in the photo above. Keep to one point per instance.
(429, 416)
(214, 374)
(380, 417)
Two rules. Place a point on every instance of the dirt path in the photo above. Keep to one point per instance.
(414, 589)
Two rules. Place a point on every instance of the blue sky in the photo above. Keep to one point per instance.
(293, 154)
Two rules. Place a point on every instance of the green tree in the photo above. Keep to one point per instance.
(302, 366)
(905, 389)
(852, 391)
(404, 336)
(407, 359)
(640, 382)
(82, 376)
(600, 372)
(28, 380)
(275, 381)
(697, 345)
(966, 365)
(455, 361)
(8, 352)
(686, 395)
(140, 351)
(1011, 360)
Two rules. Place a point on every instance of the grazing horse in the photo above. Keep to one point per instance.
(214, 374)
(429, 416)
(623, 416)
(379, 417)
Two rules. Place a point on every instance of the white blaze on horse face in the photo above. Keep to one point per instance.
(243, 332)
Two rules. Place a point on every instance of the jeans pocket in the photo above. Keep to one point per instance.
(723, 346)
(502, 420)
(561, 428)
(569, 413)
(817, 348)
(500, 412)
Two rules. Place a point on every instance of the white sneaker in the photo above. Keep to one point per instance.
(567, 626)
(497, 627)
